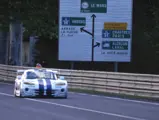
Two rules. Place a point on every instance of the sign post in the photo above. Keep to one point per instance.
(92, 34)
(93, 18)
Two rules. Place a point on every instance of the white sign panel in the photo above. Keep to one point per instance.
(108, 23)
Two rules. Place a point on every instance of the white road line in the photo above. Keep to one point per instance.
(111, 98)
(10, 84)
(78, 108)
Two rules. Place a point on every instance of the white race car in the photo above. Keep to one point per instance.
(39, 82)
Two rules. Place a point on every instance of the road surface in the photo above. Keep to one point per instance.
(76, 107)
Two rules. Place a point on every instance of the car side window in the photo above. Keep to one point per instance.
(31, 75)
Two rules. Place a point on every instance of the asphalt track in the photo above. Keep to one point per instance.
(76, 107)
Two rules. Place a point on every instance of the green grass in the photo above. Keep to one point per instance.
(115, 95)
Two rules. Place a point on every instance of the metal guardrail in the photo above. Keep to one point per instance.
(146, 85)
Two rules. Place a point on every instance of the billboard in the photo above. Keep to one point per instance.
(95, 30)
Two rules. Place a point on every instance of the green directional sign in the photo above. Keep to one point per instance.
(78, 21)
(116, 34)
(73, 21)
(93, 6)
(115, 45)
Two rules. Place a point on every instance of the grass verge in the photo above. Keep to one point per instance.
(142, 98)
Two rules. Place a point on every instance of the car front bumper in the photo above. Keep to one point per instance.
(31, 92)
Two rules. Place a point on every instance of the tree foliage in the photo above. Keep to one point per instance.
(39, 17)
(151, 30)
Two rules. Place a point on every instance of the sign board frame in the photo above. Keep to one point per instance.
(87, 30)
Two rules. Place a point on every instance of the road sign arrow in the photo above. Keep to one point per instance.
(92, 34)
(93, 16)
(97, 44)
(83, 30)
(93, 22)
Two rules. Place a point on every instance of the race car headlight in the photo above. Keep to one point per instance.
(29, 83)
(60, 84)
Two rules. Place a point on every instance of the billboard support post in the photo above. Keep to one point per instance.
(115, 66)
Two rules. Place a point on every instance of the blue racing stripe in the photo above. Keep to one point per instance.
(49, 87)
(41, 87)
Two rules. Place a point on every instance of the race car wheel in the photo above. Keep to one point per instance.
(15, 93)
(20, 95)
(65, 97)
(15, 90)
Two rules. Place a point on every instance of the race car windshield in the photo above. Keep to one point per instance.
(41, 75)
(46, 75)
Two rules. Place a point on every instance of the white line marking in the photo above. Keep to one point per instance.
(10, 84)
(112, 98)
(6, 94)
(78, 108)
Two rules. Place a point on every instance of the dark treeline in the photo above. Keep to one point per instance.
(41, 18)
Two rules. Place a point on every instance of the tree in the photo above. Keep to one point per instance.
(39, 17)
